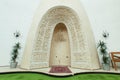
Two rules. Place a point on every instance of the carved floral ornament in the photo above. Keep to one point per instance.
(53, 17)
(45, 31)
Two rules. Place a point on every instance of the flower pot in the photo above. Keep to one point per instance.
(106, 66)
(13, 64)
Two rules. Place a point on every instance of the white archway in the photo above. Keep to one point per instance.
(82, 42)
(46, 27)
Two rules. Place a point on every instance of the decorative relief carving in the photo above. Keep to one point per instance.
(84, 65)
(39, 57)
(39, 65)
(76, 37)
(80, 56)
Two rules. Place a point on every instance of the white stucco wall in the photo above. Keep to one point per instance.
(18, 14)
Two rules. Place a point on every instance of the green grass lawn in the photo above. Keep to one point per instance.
(35, 76)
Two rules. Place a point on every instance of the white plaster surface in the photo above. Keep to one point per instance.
(47, 16)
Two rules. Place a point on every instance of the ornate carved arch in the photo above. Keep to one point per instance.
(41, 47)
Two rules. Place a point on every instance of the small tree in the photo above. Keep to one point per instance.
(15, 51)
(103, 48)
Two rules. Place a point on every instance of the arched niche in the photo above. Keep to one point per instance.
(60, 47)
(82, 50)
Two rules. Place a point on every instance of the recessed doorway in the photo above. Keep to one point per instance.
(60, 47)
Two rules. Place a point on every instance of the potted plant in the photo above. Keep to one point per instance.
(103, 51)
(15, 51)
